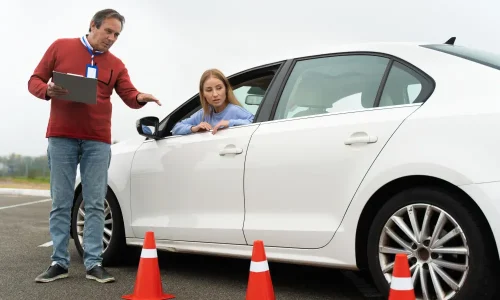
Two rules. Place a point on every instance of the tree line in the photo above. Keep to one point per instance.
(17, 165)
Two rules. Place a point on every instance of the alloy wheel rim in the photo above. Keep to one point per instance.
(436, 247)
(108, 224)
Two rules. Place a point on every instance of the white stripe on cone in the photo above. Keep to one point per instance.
(149, 253)
(260, 266)
(401, 283)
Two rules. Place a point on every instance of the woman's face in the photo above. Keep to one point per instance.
(215, 92)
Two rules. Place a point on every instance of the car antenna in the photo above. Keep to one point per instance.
(451, 41)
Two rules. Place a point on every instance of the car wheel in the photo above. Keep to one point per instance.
(114, 234)
(444, 241)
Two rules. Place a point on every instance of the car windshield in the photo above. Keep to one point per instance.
(479, 56)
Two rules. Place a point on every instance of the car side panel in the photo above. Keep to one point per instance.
(451, 137)
(300, 175)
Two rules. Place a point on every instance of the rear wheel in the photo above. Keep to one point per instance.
(114, 234)
(445, 244)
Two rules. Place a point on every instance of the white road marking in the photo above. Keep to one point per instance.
(23, 204)
(25, 192)
(10, 196)
(48, 244)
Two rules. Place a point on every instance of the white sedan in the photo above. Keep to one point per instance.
(353, 156)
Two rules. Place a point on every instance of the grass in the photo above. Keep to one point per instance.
(39, 183)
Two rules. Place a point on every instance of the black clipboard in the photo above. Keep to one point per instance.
(80, 89)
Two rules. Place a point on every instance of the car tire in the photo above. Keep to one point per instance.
(115, 251)
(479, 276)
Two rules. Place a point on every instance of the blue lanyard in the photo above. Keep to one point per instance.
(89, 49)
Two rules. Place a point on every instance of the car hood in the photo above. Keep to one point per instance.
(127, 145)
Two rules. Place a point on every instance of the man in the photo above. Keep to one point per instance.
(80, 133)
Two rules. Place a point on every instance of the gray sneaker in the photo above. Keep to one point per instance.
(99, 274)
(52, 273)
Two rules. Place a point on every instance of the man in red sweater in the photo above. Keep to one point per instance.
(80, 133)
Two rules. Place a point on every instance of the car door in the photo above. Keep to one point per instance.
(190, 187)
(304, 166)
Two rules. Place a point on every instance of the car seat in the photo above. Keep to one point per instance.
(314, 93)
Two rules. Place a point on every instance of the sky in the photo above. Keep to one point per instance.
(166, 45)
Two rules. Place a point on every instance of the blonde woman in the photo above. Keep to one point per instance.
(219, 107)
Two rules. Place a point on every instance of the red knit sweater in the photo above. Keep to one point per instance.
(79, 120)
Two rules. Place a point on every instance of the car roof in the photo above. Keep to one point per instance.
(386, 47)
(276, 56)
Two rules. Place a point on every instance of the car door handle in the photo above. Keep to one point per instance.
(366, 139)
(231, 150)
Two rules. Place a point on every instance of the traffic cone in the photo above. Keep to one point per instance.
(401, 284)
(260, 286)
(148, 281)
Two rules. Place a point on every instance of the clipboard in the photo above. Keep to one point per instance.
(80, 89)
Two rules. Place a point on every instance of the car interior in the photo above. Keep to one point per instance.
(329, 91)
(318, 92)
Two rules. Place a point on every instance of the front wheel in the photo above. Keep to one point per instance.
(114, 234)
(445, 244)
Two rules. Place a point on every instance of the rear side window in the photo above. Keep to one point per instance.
(479, 56)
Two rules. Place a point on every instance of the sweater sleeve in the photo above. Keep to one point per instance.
(126, 90)
(184, 127)
(37, 84)
(243, 117)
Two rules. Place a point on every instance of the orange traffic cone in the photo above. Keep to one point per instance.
(401, 284)
(260, 286)
(148, 282)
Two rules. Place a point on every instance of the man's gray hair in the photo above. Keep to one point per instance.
(104, 14)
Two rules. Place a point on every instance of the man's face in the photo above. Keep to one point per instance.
(107, 35)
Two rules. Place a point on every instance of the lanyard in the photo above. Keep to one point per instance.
(89, 49)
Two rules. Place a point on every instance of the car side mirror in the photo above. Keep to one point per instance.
(148, 127)
(253, 99)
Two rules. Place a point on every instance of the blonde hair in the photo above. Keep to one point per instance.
(230, 97)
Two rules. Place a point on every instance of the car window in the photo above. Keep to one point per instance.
(251, 93)
(331, 84)
(403, 86)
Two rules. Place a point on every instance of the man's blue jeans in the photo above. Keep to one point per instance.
(64, 155)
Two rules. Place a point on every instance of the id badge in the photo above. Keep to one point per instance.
(91, 71)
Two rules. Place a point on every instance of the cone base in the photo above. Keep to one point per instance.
(401, 295)
(160, 297)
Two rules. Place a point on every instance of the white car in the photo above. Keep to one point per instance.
(353, 156)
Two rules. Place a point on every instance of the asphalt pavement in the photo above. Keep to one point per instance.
(25, 252)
